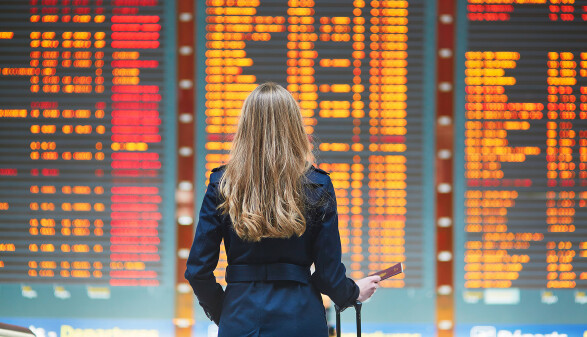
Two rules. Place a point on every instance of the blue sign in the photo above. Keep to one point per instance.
(63, 327)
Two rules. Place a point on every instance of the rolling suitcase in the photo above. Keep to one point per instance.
(358, 305)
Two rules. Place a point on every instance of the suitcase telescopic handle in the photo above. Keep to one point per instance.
(358, 305)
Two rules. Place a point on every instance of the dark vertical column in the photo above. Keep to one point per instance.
(445, 26)
(184, 313)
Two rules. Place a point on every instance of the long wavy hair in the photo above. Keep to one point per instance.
(262, 186)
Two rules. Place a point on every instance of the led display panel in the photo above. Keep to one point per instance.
(86, 158)
(521, 167)
(361, 72)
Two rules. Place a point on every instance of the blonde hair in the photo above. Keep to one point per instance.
(262, 186)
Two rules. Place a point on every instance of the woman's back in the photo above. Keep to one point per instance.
(270, 291)
(277, 216)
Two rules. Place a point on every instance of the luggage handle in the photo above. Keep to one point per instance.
(358, 305)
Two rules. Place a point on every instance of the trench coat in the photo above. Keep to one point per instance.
(280, 307)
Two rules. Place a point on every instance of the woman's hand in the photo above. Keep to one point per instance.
(367, 287)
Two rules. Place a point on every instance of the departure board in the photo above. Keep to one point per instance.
(86, 157)
(522, 112)
(357, 70)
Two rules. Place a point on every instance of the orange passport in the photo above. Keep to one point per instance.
(391, 271)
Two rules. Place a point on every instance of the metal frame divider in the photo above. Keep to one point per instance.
(445, 48)
(184, 194)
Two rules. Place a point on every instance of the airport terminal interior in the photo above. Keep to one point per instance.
(454, 132)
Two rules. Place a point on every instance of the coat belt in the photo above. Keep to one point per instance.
(267, 272)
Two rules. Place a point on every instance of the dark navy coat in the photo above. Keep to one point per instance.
(271, 308)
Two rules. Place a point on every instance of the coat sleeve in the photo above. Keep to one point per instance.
(203, 257)
(329, 275)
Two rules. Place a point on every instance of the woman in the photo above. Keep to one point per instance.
(277, 215)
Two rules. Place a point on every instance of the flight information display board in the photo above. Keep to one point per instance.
(86, 158)
(360, 72)
(521, 166)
